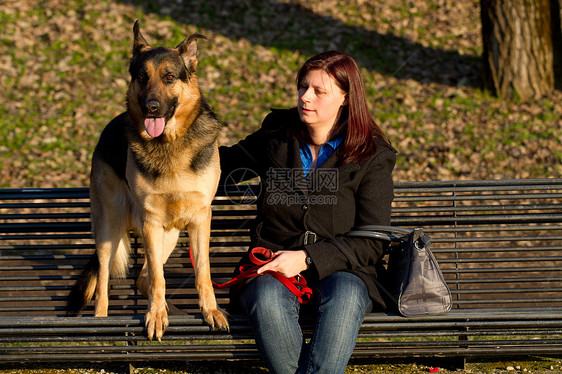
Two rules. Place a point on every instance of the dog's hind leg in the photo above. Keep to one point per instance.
(110, 214)
(113, 249)
(199, 235)
(83, 290)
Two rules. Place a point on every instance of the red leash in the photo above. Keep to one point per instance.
(297, 285)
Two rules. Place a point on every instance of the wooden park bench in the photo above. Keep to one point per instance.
(498, 242)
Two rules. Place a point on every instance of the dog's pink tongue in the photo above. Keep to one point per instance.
(154, 126)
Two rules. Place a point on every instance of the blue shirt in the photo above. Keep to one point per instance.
(325, 152)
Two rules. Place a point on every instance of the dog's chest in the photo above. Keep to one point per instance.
(173, 209)
(172, 200)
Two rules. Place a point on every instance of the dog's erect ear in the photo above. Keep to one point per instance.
(139, 43)
(188, 51)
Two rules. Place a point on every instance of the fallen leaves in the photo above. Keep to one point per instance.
(63, 73)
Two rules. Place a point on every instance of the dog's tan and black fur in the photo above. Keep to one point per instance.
(155, 170)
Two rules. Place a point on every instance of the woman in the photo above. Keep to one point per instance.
(325, 168)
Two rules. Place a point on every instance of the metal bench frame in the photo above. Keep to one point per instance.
(498, 242)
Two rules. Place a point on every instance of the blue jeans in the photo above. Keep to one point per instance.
(340, 303)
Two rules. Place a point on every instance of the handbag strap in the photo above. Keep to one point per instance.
(386, 233)
(386, 229)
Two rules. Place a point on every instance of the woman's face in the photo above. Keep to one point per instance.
(320, 100)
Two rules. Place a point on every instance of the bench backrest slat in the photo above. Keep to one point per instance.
(499, 244)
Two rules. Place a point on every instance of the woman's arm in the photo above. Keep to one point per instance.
(242, 160)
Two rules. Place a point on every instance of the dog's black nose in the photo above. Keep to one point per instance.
(152, 106)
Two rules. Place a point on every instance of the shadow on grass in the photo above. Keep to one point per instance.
(293, 27)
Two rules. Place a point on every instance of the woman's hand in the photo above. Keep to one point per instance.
(288, 263)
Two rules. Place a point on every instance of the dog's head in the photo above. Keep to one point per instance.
(163, 96)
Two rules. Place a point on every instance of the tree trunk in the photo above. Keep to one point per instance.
(556, 26)
(518, 56)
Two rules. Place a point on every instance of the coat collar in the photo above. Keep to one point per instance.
(284, 152)
(282, 145)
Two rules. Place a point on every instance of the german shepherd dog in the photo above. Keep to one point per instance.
(155, 170)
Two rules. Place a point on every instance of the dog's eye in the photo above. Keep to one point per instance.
(142, 77)
(169, 77)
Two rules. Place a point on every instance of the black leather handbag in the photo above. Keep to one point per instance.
(415, 282)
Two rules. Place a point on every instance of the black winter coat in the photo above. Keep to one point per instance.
(330, 202)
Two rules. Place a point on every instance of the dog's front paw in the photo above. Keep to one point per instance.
(156, 321)
(216, 319)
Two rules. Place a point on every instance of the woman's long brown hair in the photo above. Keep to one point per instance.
(355, 123)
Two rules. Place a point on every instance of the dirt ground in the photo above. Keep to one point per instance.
(536, 365)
